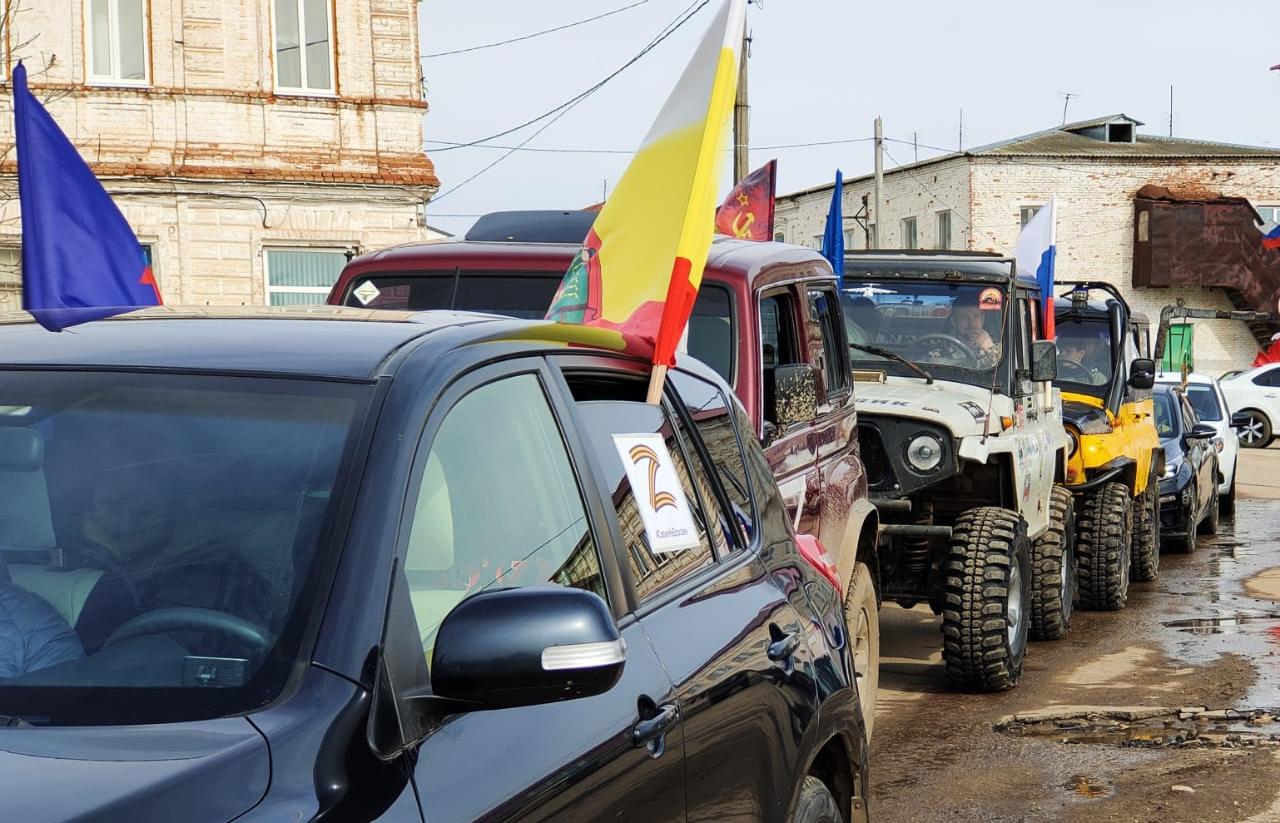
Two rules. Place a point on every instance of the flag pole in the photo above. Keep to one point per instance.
(656, 378)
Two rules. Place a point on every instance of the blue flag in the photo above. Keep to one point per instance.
(80, 259)
(833, 235)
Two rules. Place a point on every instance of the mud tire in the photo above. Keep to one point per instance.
(816, 803)
(1209, 525)
(862, 616)
(1146, 534)
(1104, 539)
(986, 587)
(1052, 557)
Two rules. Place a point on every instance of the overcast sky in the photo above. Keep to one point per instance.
(822, 70)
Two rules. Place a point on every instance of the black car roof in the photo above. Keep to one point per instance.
(911, 263)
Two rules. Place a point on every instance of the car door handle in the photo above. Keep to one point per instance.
(652, 729)
(784, 647)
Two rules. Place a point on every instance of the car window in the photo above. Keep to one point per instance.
(515, 294)
(1205, 402)
(602, 419)
(1188, 415)
(1026, 319)
(712, 336)
(825, 308)
(1268, 378)
(1167, 419)
(1084, 355)
(708, 408)
(497, 505)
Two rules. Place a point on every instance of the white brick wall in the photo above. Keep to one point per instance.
(1095, 220)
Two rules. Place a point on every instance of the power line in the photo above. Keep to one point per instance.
(927, 190)
(549, 150)
(670, 29)
(667, 31)
(524, 37)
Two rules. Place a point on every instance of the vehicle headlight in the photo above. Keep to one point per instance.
(924, 452)
(1171, 468)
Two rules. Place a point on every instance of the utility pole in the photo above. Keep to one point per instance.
(879, 185)
(961, 147)
(1066, 101)
(1171, 110)
(741, 116)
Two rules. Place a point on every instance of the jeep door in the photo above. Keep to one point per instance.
(1039, 427)
(498, 499)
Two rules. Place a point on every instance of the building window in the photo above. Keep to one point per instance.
(117, 40)
(779, 237)
(944, 230)
(304, 47)
(302, 277)
(850, 238)
(873, 236)
(1025, 214)
(1269, 213)
(909, 233)
(10, 278)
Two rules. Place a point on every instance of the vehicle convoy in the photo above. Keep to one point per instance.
(962, 438)
(1189, 484)
(348, 565)
(1114, 460)
(766, 319)
(1210, 405)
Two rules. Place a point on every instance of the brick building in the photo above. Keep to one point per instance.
(979, 199)
(250, 143)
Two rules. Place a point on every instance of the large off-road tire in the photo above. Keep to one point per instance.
(1146, 534)
(986, 589)
(816, 803)
(1256, 434)
(863, 618)
(1104, 538)
(1209, 525)
(1053, 570)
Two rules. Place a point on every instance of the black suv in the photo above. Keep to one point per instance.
(348, 565)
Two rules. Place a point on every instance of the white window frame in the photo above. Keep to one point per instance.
(304, 90)
(915, 232)
(1026, 214)
(114, 79)
(1269, 212)
(266, 270)
(937, 225)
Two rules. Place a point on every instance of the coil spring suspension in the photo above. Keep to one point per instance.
(915, 550)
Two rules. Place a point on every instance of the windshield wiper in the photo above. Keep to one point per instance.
(9, 721)
(892, 355)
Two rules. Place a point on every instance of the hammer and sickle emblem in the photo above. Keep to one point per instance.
(742, 224)
(657, 500)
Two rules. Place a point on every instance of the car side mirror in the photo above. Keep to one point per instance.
(1142, 373)
(1239, 420)
(1044, 361)
(1201, 431)
(527, 646)
(795, 394)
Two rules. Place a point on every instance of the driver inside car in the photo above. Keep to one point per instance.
(1075, 355)
(165, 551)
(968, 327)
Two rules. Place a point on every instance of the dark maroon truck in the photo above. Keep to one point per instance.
(767, 318)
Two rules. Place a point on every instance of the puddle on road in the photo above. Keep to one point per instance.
(1171, 728)
(1091, 787)
(1227, 623)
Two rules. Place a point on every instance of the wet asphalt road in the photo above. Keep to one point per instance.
(1205, 634)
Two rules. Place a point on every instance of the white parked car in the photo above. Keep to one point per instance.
(1212, 407)
(1256, 393)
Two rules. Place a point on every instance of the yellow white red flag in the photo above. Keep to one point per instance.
(641, 264)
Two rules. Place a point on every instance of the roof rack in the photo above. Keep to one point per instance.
(534, 226)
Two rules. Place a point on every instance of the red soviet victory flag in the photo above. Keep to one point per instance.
(747, 213)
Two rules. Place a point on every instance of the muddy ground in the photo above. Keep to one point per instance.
(1081, 738)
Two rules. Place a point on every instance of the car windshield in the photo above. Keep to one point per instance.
(952, 330)
(1167, 417)
(1084, 355)
(160, 538)
(1205, 402)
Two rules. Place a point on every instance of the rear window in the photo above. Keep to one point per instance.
(515, 294)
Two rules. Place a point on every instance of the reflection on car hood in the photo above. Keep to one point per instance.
(211, 770)
(1086, 418)
(958, 406)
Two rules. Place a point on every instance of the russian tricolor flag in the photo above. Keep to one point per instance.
(1271, 236)
(1036, 250)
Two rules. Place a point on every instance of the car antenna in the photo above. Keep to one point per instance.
(995, 371)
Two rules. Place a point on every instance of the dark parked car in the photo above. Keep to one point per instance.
(767, 319)
(350, 565)
(1189, 487)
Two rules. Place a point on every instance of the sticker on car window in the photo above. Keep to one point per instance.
(664, 509)
(990, 300)
(366, 292)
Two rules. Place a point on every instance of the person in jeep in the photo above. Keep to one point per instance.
(966, 320)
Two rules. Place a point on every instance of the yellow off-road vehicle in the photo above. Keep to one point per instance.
(1114, 459)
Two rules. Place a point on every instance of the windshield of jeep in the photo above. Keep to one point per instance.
(1084, 355)
(951, 329)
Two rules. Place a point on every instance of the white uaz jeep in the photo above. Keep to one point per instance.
(961, 433)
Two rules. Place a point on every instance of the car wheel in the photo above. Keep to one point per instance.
(1104, 540)
(986, 580)
(1146, 533)
(1186, 544)
(1053, 570)
(1209, 525)
(863, 618)
(1255, 434)
(1227, 502)
(816, 804)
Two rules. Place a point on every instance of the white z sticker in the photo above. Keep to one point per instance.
(664, 510)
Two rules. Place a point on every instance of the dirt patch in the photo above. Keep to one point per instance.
(1265, 584)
